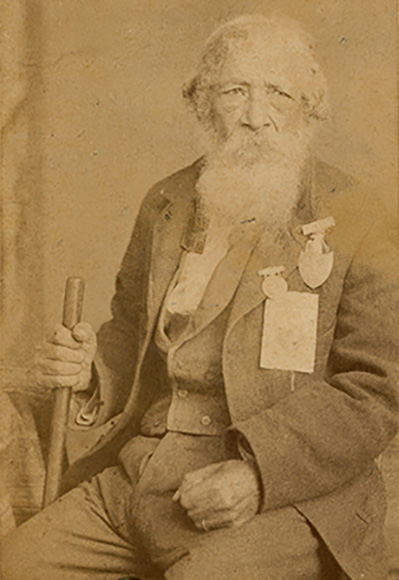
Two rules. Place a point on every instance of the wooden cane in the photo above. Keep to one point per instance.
(73, 304)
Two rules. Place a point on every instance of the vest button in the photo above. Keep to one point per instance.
(182, 393)
(206, 420)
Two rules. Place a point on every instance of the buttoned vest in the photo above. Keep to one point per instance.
(190, 347)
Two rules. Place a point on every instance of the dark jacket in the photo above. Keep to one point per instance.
(315, 443)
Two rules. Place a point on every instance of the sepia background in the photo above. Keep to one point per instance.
(92, 116)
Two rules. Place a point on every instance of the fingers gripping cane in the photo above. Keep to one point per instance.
(73, 304)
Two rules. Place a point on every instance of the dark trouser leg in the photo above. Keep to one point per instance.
(278, 545)
(72, 539)
(93, 532)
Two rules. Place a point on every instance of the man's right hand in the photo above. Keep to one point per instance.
(65, 358)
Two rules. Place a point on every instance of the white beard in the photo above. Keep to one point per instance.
(252, 177)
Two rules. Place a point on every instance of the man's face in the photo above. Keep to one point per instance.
(263, 137)
(254, 97)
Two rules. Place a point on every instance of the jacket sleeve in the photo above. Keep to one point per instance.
(327, 431)
(118, 339)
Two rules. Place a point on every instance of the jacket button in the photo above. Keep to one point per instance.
(182, 393)
(206, 420)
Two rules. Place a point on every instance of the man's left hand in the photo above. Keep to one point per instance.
(220, 495)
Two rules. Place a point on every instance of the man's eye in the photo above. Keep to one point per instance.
(234, 91)
(284, 94)
(280, 92)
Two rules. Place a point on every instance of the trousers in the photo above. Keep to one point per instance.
(124, 523)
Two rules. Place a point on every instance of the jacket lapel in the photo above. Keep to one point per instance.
(166, 251)
(223, 283)
(282, 250)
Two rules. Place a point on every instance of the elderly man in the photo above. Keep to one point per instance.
(248, 376)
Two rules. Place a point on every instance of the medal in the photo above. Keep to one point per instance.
(273, 285)
(316, 261)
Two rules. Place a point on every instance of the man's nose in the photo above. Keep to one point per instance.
(256, 113)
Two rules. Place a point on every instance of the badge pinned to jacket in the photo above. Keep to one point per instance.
(289, 325)
(316, 261)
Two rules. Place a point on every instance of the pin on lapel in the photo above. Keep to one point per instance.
(316, 261)
(273, 285)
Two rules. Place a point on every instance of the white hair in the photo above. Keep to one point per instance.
(290, 41)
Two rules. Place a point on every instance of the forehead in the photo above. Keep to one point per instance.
(262, 58)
